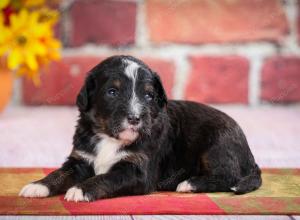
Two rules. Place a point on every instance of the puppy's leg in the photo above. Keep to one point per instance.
(73, 171)
(124, 178)
(204, 184)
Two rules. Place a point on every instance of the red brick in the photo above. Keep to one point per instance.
(218, 80)
(202, 21)
(62, 81)
(166, 70)
(281, 80)
(105, 21)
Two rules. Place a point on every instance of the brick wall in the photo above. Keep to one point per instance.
(212, 51)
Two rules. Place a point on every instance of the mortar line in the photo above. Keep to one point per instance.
(141, 32)
(254, 84)
(290, 44)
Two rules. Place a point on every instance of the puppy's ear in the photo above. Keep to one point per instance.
(162, 97)
(86, 93)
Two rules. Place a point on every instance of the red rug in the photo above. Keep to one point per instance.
(279, 195)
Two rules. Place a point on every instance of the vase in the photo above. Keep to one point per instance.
(6, 87)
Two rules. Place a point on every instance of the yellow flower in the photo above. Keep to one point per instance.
(3, 36)
(23, 70)
(27, 41)
(32, 3)
(3, 3)
(48, 15)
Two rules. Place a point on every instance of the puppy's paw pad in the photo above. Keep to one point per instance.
(184, 186)
(75, 194)
(34, 190)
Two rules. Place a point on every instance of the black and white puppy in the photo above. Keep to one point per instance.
(131, 140)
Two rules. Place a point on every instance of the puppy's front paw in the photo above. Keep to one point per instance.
(34, 190)
(184, 186)
(75, 194)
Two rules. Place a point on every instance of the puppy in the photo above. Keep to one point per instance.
(131, 140)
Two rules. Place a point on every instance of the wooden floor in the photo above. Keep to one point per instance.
(272, 132)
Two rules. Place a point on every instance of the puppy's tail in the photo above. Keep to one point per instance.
(248, 183)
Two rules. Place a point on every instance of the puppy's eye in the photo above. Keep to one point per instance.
(112, 92)
(149, 96)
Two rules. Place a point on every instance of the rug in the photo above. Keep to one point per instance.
(279, 195)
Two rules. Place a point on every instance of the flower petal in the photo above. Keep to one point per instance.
(14, 59)
(31, 61)
(39, 48)
(3, 3)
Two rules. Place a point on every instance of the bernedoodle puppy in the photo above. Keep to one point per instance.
(131, 140)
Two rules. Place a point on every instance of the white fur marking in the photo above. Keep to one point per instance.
(86, 156)
(184, 186)
(75, 194)
(131, 71)
(34, 190)
(107, 154)
(234, 189)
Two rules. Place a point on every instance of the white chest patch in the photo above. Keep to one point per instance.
(107, 154)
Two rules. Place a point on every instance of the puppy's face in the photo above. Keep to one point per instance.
(123, 97)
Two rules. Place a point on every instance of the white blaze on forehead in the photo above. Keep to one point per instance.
(131, 71)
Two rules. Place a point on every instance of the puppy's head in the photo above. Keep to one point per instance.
(123, 97)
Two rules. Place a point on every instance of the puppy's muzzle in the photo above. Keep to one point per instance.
(133, 119)
(131, 126)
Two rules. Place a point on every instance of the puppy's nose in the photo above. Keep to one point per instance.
(133, 119)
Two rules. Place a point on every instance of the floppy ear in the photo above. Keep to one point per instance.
(86, 93)
(162, 97)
